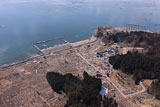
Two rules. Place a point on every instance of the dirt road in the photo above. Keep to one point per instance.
(96, 69)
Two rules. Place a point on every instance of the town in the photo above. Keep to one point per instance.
(29, 79)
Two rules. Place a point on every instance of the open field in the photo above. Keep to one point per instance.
(25, 85)
(126, 82)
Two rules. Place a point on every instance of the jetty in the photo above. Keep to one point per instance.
(65, 46)
(38, 49)
(135, 25)
(39, 42)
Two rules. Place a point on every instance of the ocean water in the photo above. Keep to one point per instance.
(23, 22)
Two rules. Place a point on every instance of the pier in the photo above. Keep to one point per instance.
(45, 52)
(48, 40)
(135, 25)
(36, 47)
(61, 47)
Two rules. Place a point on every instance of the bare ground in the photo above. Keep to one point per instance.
(26, 85)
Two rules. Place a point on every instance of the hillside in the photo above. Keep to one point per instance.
(80, 93)
(154, 89)
(141, 66)
(148, 40)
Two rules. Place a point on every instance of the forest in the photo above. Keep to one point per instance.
(147, 40)
(154, 88)
(80, 93)
(140, 66)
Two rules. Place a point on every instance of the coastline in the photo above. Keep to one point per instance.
(74, 45)
(28, 77)
(71, 45)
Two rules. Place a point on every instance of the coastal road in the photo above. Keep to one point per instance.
(55, 50)
(128, 95)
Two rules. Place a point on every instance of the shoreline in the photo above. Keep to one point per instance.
(72, 45)
(28, 77)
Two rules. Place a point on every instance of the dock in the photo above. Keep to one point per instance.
(135, 25)
(36, 47)
(39, 42)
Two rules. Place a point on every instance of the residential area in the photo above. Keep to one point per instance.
(91, 56)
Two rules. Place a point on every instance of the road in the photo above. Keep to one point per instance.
(91, 73)
(128, 95)
(143, 90)
(60, 48)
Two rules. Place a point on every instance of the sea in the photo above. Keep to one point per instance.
(23, 22)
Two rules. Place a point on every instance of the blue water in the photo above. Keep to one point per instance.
(29, 21)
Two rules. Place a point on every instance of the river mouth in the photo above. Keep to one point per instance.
(24, 22)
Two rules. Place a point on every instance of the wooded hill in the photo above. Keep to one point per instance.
(80, 93)
(147, 40)
(138, 65)
(141, 66)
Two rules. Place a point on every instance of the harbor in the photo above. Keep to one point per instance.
(49, 51)
(62, 47)
(28, 77)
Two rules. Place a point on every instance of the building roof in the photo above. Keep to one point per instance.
(103, 91)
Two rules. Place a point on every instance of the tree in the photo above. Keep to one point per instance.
(109, 102)
(56, 81)
(81, 93)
